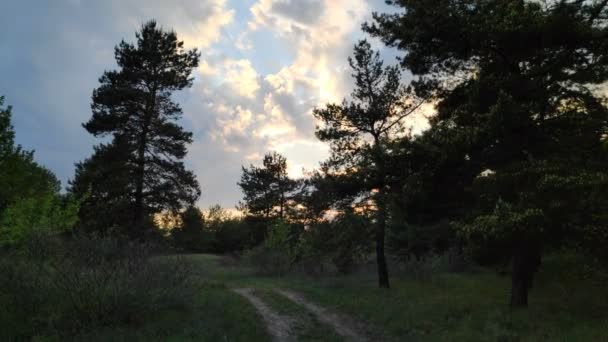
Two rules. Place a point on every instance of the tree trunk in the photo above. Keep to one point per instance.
(138, 211)
(380, 229)
(141, 160)
(526, 261)
(381, 214)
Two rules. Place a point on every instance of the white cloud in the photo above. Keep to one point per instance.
(247, 114)
(241, 77)
(198, 22)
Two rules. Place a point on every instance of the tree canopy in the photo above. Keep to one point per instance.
(517, 79)
(268, 189)
(134, 106)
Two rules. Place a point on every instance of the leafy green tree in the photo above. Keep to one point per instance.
(30, 202)
(21, 176)
(134, 106)
(518, 80)
(268, 189)
(7, 133)
(45, 214)
(360, 130)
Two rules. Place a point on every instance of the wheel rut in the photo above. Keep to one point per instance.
(279, 327)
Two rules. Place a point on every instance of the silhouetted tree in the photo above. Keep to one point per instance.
(133, 104)
(267, 189)
(360, 130)
(517, 79)
(189, 233)
(105, 181)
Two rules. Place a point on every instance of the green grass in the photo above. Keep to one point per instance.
(451, 307)
(444, 307)
(218, 315)
(211, 313)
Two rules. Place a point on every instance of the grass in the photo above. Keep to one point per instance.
(218, 315)
(136, 297)
(443, 307)
(451, 307)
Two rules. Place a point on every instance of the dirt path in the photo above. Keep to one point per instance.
(279, 327)
(343, 326)
(282, 328)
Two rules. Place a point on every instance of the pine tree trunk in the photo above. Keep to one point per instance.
(381, 215)
(526, 260)
(141, 169)
(139, 188)
(380, 232)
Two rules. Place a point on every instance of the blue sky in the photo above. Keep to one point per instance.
(265, 65)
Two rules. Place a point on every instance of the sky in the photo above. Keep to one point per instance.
(265, 64)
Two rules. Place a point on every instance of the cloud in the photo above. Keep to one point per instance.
(239, 113)
(198, 22)
(241, 77)
(290, 14)
(265, 65)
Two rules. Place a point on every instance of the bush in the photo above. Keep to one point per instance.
(86, 283)
(344, 242)
(277, 254)
(46, 213)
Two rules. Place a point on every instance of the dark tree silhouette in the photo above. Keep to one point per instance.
(267, 189)
(105, 182)
(517, 79)
(361, 129)
(134, 105)
(189, 234)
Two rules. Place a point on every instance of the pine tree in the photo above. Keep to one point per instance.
(518, 79)
(360, 130)
(268, 189)
(134, 105)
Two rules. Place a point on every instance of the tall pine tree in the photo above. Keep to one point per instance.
(133, 104)
(360, 131)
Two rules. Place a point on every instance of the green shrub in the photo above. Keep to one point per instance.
(343, 242)
(43, 214)
(277, 254)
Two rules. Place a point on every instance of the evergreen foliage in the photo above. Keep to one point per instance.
(133, 105)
